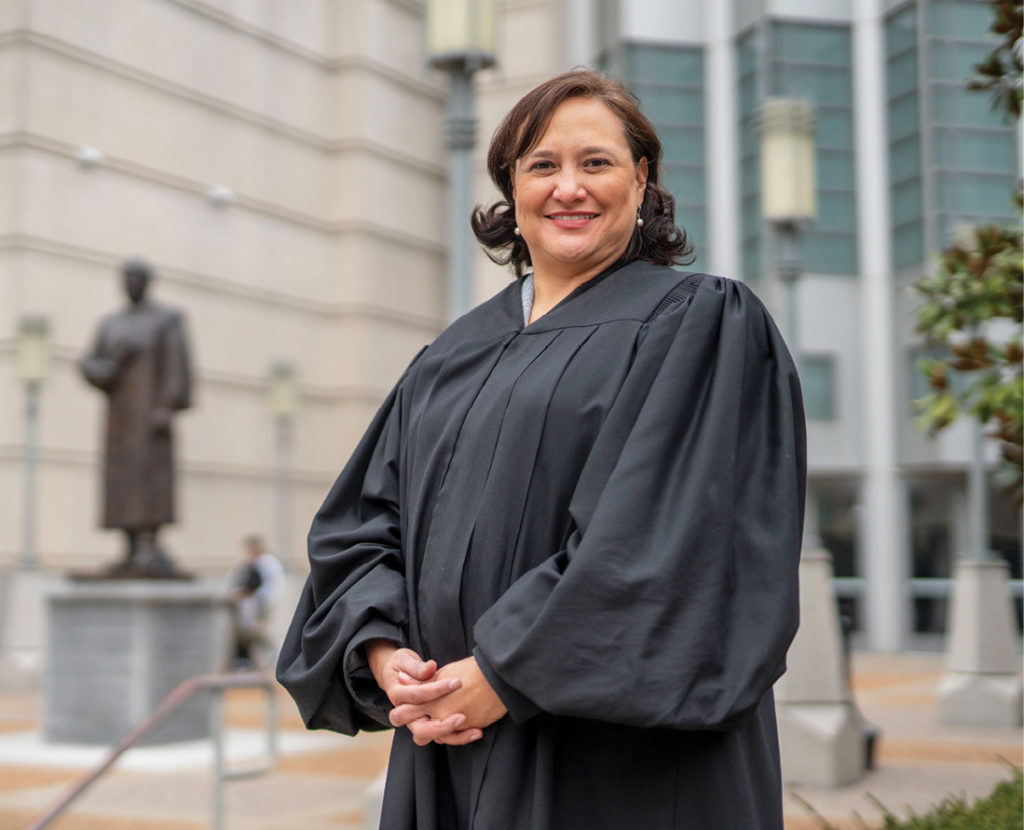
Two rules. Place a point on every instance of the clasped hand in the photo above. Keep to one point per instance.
(450, 705)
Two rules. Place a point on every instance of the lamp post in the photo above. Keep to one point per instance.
(33, 361)
(284, 403)
(788, 198)
(821, 733)
(461, 37)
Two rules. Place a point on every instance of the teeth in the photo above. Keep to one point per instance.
(573, 216)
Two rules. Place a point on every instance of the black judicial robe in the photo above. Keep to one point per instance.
(605, 508)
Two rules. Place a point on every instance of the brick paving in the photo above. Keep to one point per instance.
(319, 785)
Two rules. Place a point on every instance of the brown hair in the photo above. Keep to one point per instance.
(659, 240)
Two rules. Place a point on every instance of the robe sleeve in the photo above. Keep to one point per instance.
(176, 373)
(675, 599)
(97, 367)
(355, 591)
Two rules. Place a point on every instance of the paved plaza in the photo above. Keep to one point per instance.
(320, 778)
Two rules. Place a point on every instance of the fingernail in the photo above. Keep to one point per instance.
(459, 721)
(454, 683)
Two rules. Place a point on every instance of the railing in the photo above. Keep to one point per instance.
(215, 683)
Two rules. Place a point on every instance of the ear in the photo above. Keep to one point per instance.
(641, 176)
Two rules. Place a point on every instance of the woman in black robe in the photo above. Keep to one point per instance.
(562, 562)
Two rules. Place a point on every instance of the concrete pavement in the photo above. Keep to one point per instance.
(319, 781)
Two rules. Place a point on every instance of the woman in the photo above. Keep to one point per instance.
(562, 561)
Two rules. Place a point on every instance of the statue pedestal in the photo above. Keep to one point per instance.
(116, 649)
(981, 685)
(822, 736)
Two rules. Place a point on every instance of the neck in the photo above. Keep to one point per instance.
(550, 289)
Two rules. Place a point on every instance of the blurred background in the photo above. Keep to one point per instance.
(283, 166)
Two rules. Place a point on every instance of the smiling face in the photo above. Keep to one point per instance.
(577, 192)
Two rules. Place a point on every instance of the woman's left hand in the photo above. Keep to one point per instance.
(475, 699)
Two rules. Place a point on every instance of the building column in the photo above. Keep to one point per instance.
(883, 549)
(722, 142)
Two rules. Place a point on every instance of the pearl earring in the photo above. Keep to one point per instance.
(516, 231)
(639, 221)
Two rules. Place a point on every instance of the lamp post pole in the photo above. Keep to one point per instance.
(819, 728)
(33, 366)
(461, 36)
(460, 135)
(283, 405)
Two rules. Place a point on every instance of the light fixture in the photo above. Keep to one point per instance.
(461, 33)
(33, 349)
(787, 161)
(220, 195)
(89, 157)
(283, 392)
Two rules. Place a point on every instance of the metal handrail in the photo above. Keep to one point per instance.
(183, 691)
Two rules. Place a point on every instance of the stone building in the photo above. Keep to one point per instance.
(282, 165)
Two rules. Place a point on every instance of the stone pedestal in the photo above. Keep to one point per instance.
(821, 733)
(116, 649)
(982, 684)
(22, 627)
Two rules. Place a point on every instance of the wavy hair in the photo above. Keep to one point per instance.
(659, 241)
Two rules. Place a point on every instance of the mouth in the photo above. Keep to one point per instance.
(571, 220)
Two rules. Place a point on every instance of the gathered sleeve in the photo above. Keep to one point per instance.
(675, 599)
(355, 591)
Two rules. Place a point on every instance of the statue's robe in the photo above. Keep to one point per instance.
(140, 359)
(605, 508)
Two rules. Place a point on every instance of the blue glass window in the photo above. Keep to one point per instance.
(812, 60)
(669, 81)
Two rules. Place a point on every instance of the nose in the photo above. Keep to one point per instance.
(568, 187)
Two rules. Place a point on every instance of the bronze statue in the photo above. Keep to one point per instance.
(140, 360)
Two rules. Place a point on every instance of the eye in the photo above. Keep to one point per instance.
(541, 166)
(596, 163)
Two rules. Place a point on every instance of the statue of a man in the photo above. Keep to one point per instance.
(140, 360)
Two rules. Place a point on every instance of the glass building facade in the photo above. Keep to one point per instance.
(669, 81)
(947, 147)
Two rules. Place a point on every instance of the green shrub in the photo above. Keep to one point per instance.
(1003, 809)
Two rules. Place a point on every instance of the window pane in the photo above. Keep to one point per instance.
(906, 201)
(748, 95)
(969, 195)
(750, 210)
(835, 169)
(905, 159)
(956, 104)
(829, 253)
(817, 378)
(812, 43)
(666, 64)
(908, 245)
(685, 183)
(901, 31)
(977, 150)
(819, 83)
(836, 211)
(902, 74)
(692, 221)
(671, 105)
(958, 18)
(834, 128)
(682, 144)
(903, 117)
(955, 61)
(751, 261)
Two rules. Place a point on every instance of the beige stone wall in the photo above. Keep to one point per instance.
(323, 120)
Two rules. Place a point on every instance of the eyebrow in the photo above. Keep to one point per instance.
(585, 151)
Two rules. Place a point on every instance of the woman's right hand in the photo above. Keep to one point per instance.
(405, 677)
